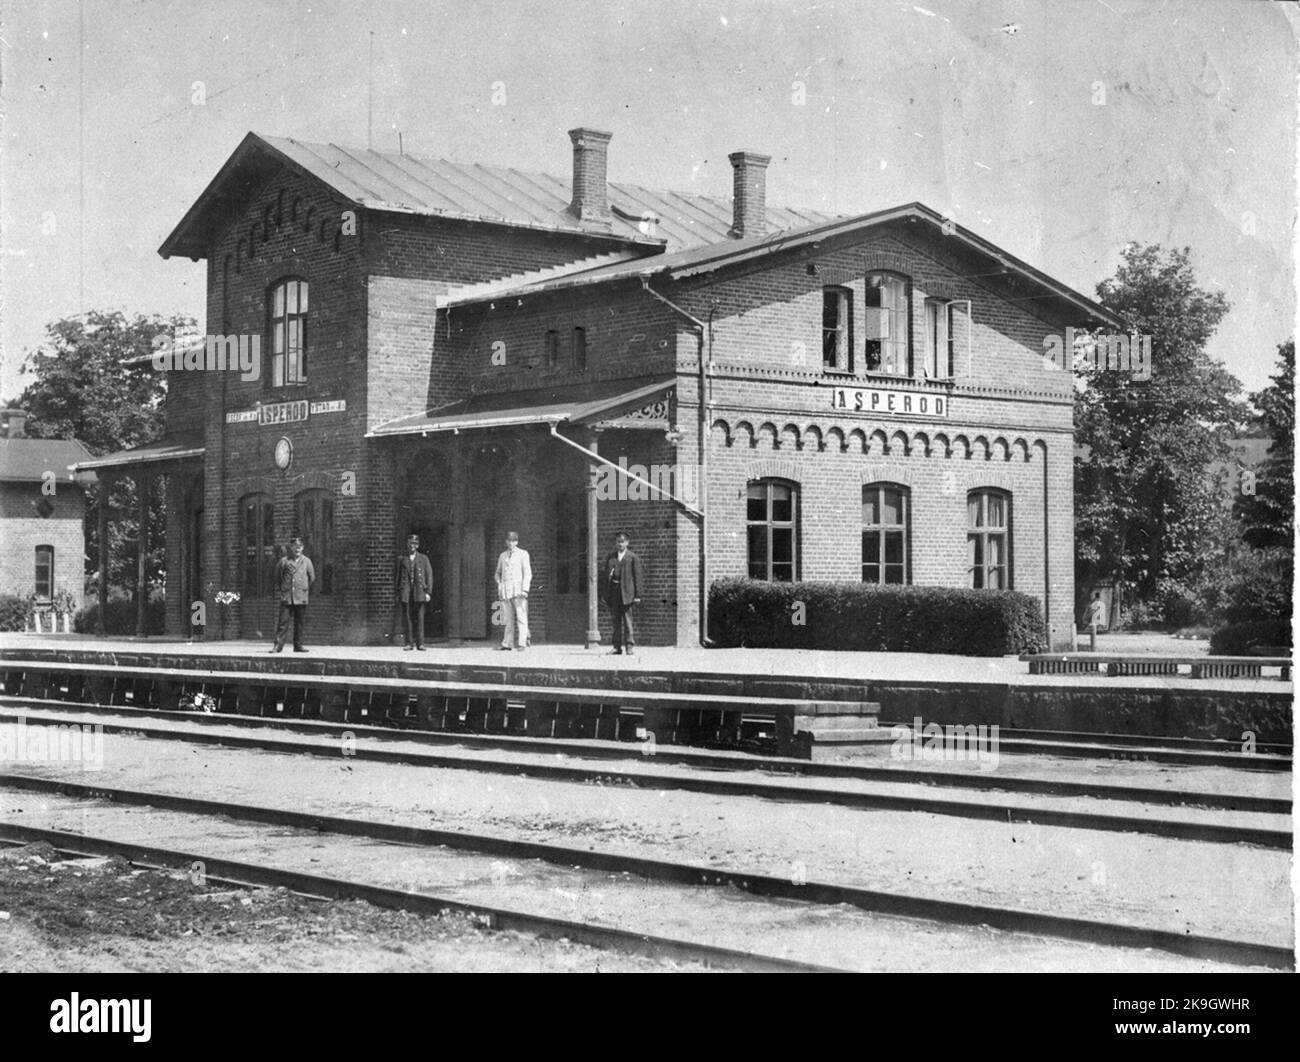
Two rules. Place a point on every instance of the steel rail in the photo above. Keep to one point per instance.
(1115, 934)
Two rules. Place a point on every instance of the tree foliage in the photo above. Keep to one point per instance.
(1268, 516)
(83, 388)
(1148, 509)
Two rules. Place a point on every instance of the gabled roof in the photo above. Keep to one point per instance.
(25, 460)
(412, 184)
(695, 261)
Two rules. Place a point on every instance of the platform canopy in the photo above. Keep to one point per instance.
(629, 403)
(175, 448)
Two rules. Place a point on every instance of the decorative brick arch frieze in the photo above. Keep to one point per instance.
(246, 485)
(312, 480)
(878, 440)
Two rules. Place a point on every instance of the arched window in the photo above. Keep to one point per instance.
(287, 308)
(44, 573)
(315, 526)
(988, 539)
(772, 523)
(886, 524)
(888, 324)
(257, 545)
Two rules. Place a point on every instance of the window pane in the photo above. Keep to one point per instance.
(870, 505)
(893, 507)
(302, 296)
(871, 573)
(291, 297)
(782, 504)
(295, 334)
(893, 547)
(782, 545)
(997, 511)
(894, 573)
(783, 573)
(870, 547)
(277, 309)
(974, 511)
(975, 551)
(758, 552)
(756, 507)
(277, 338)
(996, 550)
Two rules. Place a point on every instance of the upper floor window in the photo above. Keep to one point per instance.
(885, 520)
(315, 522)
(44, 573)
(552, 349)
(887, 324)
(257, 545)
(939, 329)
(837, 330)
(988, 539)
(580, 349)
(288, 306)
(772, 523)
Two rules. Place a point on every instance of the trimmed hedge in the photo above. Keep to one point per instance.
(856, 616)
(120, 618)
(14, 612)
(1239, 638)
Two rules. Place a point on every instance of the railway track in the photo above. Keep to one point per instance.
(664, 872)
(1181, 829)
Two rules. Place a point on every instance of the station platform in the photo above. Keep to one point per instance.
(938, 688)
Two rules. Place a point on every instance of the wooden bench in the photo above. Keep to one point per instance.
(1132, 664)
(807, 729)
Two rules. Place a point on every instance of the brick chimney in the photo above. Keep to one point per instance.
(13, 423)
(749, 183)
(590, 196)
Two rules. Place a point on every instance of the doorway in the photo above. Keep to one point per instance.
(567, 616)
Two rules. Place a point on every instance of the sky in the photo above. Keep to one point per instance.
(1059, 131)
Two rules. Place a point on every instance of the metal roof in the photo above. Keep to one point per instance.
(414, 184)
(573, 403)
(25, 460)
(694, 261)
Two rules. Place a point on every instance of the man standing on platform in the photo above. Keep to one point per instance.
(623, 588)
(514, 577)
(414, 586)
(294, 575)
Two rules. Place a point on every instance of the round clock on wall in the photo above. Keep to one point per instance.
(283, 454)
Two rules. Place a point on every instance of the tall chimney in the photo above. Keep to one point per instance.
(590, 196)
(749, 183)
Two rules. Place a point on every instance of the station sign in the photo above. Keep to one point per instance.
(880, 400)
(286, 412)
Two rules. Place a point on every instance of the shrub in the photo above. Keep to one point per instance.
(14, 613)
(120, 618)
(854, 616)
(1239, 638)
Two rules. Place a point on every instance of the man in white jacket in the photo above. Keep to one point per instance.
(514, 577)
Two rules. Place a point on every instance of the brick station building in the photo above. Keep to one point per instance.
(462, 350)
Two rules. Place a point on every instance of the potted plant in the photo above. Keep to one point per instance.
(224, 599)
(65, 607)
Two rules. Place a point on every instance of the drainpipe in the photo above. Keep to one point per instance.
(704, 335)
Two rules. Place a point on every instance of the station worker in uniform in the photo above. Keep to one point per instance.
(414, 588)
(294, 575)
(514, 578)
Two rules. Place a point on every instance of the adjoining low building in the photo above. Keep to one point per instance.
(42, 516)
(461, 350)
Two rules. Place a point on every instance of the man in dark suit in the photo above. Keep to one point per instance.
(414, 587)
(624, 584)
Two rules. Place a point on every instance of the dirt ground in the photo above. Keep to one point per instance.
(102, 915)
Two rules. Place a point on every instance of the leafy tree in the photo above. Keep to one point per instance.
(1268, 516)
(1148, 511)
(83, 388)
